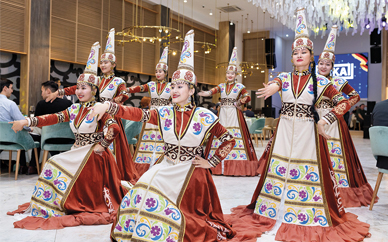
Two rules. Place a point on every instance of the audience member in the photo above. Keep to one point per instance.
(57, 105)
(212, 107)
(249, 112)
(360, 115)
(9, 111)
(380, 118)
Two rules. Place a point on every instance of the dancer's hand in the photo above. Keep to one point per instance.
(98, 149)
(321, 129)
(204, 94)
(98, 110)
(267, 91)
(200, 162)
(52, 96)
(18, 125)
(239, 107)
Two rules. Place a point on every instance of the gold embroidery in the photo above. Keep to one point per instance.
(224, 151)
(340, 108)
(109, 134)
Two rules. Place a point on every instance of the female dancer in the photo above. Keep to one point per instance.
(112, 89)
(176, 200)
(242, 160)
(149, 149)
(81, 186)
(352, 183)
(297, 197)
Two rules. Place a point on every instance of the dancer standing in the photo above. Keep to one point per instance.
(176, 199)
(297, 197)
(352, 183)
(112, 89)
(81, 186)
(149, 149)
(242, 160)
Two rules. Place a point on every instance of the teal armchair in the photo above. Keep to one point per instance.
(379, 143)
(11, 141)
(56, 131)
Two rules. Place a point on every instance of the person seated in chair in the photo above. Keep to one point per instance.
(380, 118)
(249, 112)
(9, 111)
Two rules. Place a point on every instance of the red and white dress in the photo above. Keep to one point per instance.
(77, 187)
(242, 160)
(114, 89)
(297, 197)
(150, 147)
(174, 201)
(352, 183)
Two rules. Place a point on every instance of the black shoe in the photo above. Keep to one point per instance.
(23, 170)
(32, 170)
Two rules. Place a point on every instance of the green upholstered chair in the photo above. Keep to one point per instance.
(132, 129)
(56, 131)
(11, 141)
(379, 143)
(257, 128)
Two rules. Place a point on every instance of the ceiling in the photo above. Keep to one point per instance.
(199, 10)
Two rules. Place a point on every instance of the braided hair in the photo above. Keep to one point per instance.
(315, 87)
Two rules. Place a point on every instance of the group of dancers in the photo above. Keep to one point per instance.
(309, 170)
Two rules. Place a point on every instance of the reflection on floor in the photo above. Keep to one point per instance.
(232, 191)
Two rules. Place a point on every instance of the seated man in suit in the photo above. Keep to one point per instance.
(380, 118)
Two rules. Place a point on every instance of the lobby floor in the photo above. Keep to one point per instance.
(233, 191)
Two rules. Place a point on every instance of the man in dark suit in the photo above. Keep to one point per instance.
(380, 118)
(43, 108)
(55, 106)
(249, 112)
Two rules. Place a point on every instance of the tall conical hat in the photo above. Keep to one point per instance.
(328, 50)
(233, 61)
(185, 70)
(301, 31)
(162, 64)
(109, 52)
(90, 72)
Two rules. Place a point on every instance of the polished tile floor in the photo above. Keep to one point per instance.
(232, 191)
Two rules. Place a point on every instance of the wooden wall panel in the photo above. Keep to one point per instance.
(89, 13)
(12, 22)
(87, 36)
(254, 51)
(65, 9)
(62, 39)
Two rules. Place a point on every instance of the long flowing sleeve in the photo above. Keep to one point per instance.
(67, 91)
(228, 142)
(136, 89)
(121, 94)
(215, 90)
(113, 130)
(341, 104)
(133, 113)
(354, 97)
(49, 119)
(276, 81)
(244, 97)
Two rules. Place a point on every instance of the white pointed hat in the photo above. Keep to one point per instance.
(301, 31)
(162, 64)
(109, 52)
(328, 50)
(90, 72)
(185, 72)
(233, 61)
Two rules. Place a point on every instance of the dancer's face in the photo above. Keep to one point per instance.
(230, 76)
(180, 93)
(106, 66)
(301, 58)
(160, 74)
(84, 92)
(324, 67)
